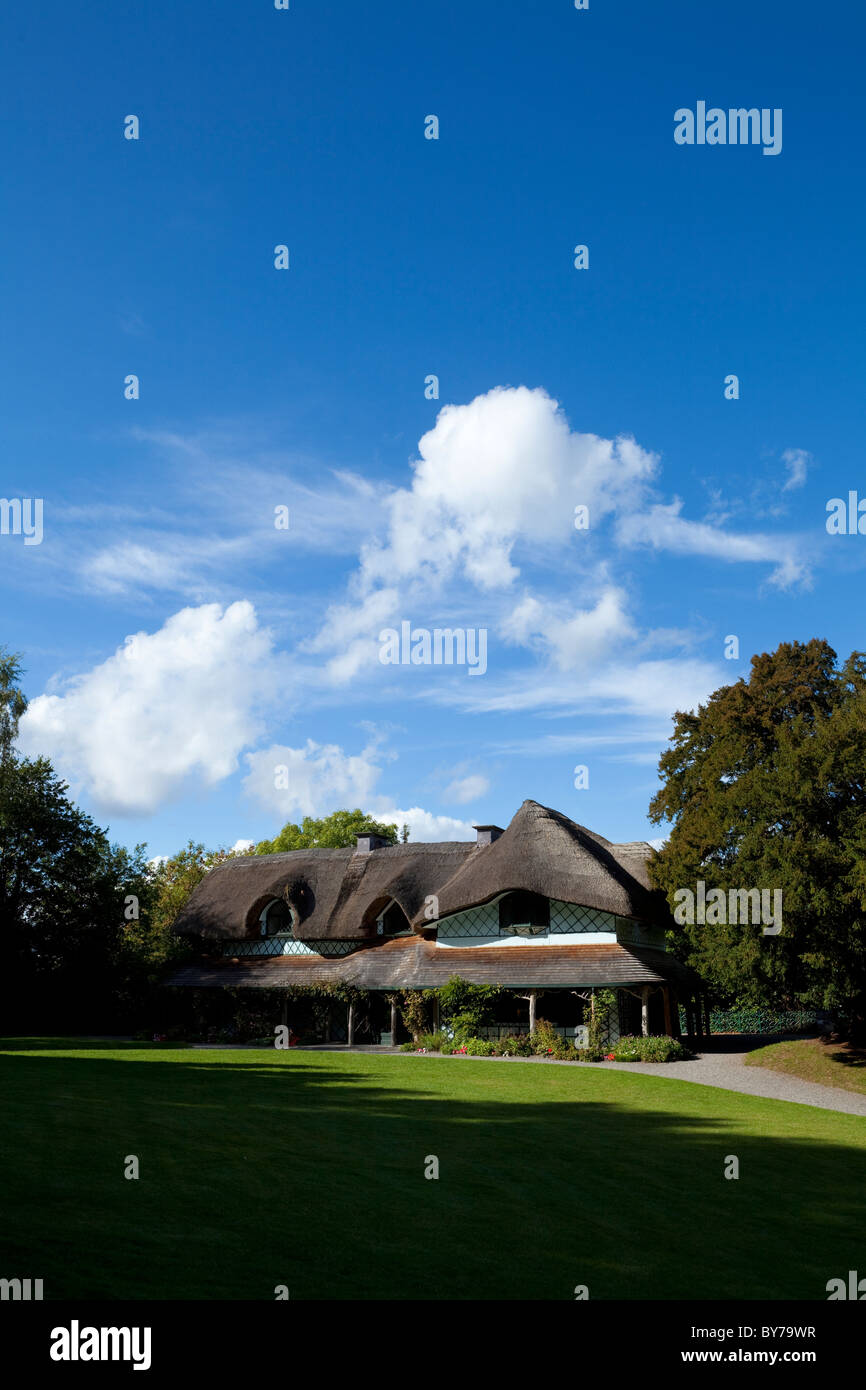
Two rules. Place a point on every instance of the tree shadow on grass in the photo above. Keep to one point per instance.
(257, 1171)
(846, 1054)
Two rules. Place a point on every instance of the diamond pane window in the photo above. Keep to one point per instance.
(570, 917)
(475, 921)
(285, 945)
(524, 914)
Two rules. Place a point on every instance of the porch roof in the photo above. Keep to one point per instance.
(414, 963)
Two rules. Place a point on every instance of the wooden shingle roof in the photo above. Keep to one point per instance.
(413, 963)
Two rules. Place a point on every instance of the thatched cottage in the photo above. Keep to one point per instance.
(546, 909)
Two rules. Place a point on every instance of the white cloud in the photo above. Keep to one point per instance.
(662, 528)
(495, 488)
(167, 708)
(572, 638)
(505, 467)
(424, 825)
(352, 632)
(243, 846)
(318, 779)
(465, 789)
(312, 781)
(642, 689)
(797, 461)
(219, 519)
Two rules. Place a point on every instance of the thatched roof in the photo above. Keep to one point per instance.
(545, 852)
(338, 893)
(413, 963)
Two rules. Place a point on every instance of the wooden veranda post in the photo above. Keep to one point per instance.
(532, 996)
(644, 1010)
(666, 1000)
(351, 1023)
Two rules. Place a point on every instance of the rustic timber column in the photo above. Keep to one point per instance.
(436, 1013)
(532, 996)
(351, 1024)
(644, 1010)
(666, 1000)
(393, 1020)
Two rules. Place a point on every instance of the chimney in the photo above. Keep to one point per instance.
(486, 834)
(367, 842)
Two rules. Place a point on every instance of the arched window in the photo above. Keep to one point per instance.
(276, 918)
(392, 920)
(524, 914)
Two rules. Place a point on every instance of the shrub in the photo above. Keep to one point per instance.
(545, 1037)
(601, 1015)
(517, 1045)
(463, 1025)
(478, 1047)
(467, 1007)
(654, 1049)
(446, 1047)
(413, 1011)
(409, 1047)
(547, 1042)
(432, 1041)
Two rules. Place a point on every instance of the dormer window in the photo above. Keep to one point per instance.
(392, 920)
(276, 919)
(524, 914)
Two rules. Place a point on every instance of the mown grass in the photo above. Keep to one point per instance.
(261, 1168)
(816, 1059)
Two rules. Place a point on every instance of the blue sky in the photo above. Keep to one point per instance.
(179, 648)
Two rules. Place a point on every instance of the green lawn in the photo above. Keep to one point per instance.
(816, 1059)
(261, 1168)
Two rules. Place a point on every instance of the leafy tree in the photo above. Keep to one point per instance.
(148, 944)
(63, 891)
(336, 831)
(12, 701)
(172, 880)
(764, 787)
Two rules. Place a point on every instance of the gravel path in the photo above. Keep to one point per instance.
(728, 1071)
(724, 1066)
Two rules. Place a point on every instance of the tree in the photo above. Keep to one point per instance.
(765, 787)
(336, 831)
(12, 701)
(63, 891)
(148, 945)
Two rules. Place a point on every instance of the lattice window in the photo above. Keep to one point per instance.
(570, 917)
(475, 921)
(283, 945)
